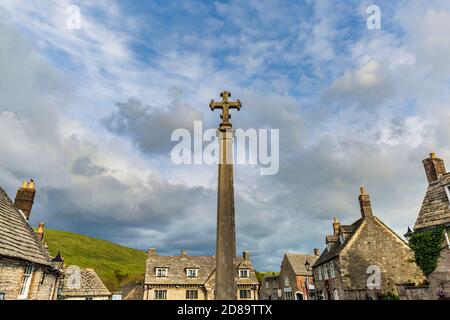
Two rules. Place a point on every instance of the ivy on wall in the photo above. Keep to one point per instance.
(427, 247)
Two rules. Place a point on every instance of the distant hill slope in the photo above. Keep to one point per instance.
(116, 265)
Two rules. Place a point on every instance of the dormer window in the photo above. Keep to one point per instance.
(192, 272)
(162, 272)
(447, 191)
(244, 273)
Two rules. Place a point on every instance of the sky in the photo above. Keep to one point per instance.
(88, 114)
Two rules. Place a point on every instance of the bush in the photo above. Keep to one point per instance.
(427, 246)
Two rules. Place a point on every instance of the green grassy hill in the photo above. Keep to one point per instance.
(116, 265)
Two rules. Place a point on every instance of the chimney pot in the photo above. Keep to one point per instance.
(25, 198)
(40, 231)
(365, 205)
(317, 252)
(336, 226)
(434, 168)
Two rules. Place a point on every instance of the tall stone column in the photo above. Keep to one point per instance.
(226, 288)
(226, 235)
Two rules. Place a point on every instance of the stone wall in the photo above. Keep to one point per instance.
(440, 277)
(407, 292)
(376, 245)
(179, 293)
(42, 285)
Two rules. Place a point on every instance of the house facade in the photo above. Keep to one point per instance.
(435, 213)
(364, 260)
(296, 276)
(26, 270)
(187, 277)
(270, 288)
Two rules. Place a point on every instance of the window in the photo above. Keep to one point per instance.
(289, 295)
(160, 294)
(26, 281)
(192, 273)
(342, 238)
(319, 272)
(245, 294)
(244, 273)
(2, 296)
(332, 273)
(335, 295)
(89, 298)
(325, 271)
(267, 284)
(161, 272)
(191, 294)
(447, 190)
(286, 281)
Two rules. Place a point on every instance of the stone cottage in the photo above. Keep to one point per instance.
(435, 212)
(270, 288)
(187, 277)
(82, 284)
(26, 271)
(364, 260)
(296, 276)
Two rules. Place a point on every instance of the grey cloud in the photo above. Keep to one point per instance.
(150, 129)
(83, 166)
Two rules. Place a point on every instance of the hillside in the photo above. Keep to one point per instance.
(116, 265)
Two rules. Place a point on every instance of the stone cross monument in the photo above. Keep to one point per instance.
(226, 235)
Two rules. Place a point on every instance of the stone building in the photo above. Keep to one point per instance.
(296, 276)
(187, 277)
(435, 212)
(270, 288)
(82, 284)
(26, 270)
(364, 260)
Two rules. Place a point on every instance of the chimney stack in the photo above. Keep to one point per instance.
(40, 231)
(152, 252)
(434, 168)
(336, 226)
(25, 197)
(246, 255)
(184, 253)
(317, 252)
(364, 203)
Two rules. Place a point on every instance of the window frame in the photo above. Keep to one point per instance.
(193, 297)
(2, 296)
(319, 272)
(25, 282)
(447, 191)
(332, 271)
(162, 274)
(325, 271)
(248, 294)
(160, 294)
(241, 271)
(195, 274)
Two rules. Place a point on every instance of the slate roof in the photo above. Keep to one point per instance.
(177, 266)
(298, 260)
(337, 247)
(435, 208)
(17, 238)
(90, 285)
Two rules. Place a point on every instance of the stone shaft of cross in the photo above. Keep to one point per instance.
(226, 288)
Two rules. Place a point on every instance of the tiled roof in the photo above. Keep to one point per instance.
(298, 260)
(90, 285)
(177, 266)
(337, 247)
(17, 238)
(435, 208)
